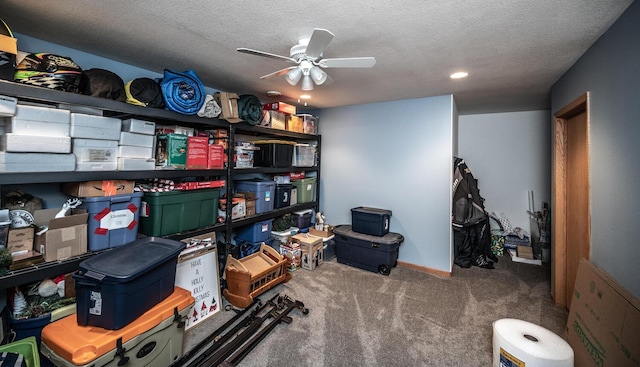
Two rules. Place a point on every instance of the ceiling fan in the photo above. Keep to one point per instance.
(307, 55)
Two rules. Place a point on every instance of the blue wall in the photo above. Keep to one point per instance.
(88, 61)
(398, 156)
(610, 71)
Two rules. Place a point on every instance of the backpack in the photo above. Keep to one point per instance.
(470, 221)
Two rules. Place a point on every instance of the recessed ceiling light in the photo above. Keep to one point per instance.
(305, 96)
(459, 75)
(274, 93)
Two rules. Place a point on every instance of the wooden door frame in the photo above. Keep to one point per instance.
(559, 210)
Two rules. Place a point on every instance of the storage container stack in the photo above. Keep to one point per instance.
(135, 149)
(125, 301)
(34, 138)
(95, 141)
(367, 243)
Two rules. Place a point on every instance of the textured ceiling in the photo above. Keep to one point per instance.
(513, 50)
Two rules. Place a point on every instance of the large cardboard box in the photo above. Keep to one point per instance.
(604, 321)
(228, 102)
(65, 236)
(98, 188)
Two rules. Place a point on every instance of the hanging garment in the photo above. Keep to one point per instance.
(470, 221)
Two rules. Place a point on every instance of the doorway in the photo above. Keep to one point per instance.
(571, 197)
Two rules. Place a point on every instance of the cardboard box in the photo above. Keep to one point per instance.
(525, 252)
(26, 260)
(319, 233)
(228, 102)
(294, 123)
(280, 107)
(238, 209)
(604, 319)
(250, 206)
(197, 152)
(98, 188)
(65, 237)
(20, 240)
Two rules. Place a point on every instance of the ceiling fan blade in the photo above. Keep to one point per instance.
(265, 54)
(348, 62)
(278, 73)
(318, 42)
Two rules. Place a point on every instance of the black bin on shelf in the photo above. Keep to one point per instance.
(283, 195)
(273, 153)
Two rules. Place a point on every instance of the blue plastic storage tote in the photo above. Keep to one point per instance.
(265, 193)
(113, 220)
(117, 286)
(256, 232)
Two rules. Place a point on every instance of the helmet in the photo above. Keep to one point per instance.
(50, 71)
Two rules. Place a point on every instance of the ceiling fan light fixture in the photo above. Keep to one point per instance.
(293, 76)
(318, 75)
(307, 84)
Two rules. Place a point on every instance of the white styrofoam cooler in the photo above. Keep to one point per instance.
(33, 120)
(35, 127)
(95, 154)
(136, 140)
(37, 162)
(129, 151)
(136, 164)
(12, 142)
(36, 113)
(139, 126)
(94, 127)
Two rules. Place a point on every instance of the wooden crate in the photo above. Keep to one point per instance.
(253, 275)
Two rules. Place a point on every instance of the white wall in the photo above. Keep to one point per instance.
(509, 154)
(398, 156)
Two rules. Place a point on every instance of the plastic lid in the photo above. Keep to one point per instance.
(274, 142)
(129, 261)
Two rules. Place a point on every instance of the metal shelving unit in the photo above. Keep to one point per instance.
(118, 109)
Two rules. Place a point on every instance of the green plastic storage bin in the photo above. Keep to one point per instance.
(27, 347)
(170, 212)
(306, 188)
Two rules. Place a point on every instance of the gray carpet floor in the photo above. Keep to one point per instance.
(409, 318)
